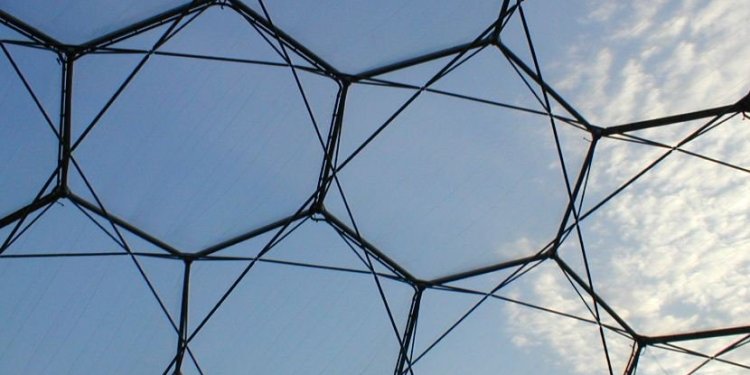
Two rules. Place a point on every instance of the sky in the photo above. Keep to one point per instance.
(195, 152)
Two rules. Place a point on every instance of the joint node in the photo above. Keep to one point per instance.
(420, 285)
(744, 105)
(596, 132)
(63, 191)
(316, 213)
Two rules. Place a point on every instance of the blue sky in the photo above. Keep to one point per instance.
(195, 152)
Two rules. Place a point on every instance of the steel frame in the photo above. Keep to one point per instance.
(57, 188)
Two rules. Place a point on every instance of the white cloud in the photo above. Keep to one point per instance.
(671, 250)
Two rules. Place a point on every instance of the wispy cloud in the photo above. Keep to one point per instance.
(670, 252)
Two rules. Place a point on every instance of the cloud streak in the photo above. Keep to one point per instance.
(669, 251)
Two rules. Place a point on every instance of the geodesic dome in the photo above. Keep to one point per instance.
(276, 187)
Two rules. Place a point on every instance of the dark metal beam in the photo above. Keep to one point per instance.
(29, 89)
(519, 272)
(30, 31)
(529, 72)
(571, 209)
(672, 347)
(123, 51)
(229, 258)
(421, 59)
(633, 361)
(286, 38)
(381, 82)
(405, 353)
(124, 224)
(26, 210)
(715, 357)
(184, 307)
(740, 106)
(696, 335)
(370, 248)
(84, 255)
(570, 272)
(66, 118)
(252, 233)
(331, 147)
(142, 26)
(485, 270)
(494, 296)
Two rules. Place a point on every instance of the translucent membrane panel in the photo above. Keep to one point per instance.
(196, 152)
(542, 313)
(629, 61)
(9, 34)
(658, 360)
(28, 144)
(500, 336)
(286, 320)
(362, 35)
(718, 355)
(83, 315)
(668, 250)
(62, 228)
(221, 32)
(733, 357)
(722, 368)
(452, 183)
(80, 21)
(312, 243)
(724, 143)
(616, 162)
(166, 277)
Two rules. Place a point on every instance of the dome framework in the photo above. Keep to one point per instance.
(329, 204)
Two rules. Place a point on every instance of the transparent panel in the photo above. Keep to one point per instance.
(656, 360)
(222, 32)
(97, 79)
(502, 336)
(733, 357)
(717, 355)
(622, 62)
(362, 35)
(316, 243)
(165, 276)
(28, 145)
(452, 183)
(615, 163)
(64, 228)
(217, 150)
(666, 251)
(215, 137)
(9, 34)
(79, 21)
(723, 143)
(290, 320)
(83, 315)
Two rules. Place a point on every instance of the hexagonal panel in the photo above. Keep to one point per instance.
(452, 183)
(664, 251)
(214, 148)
